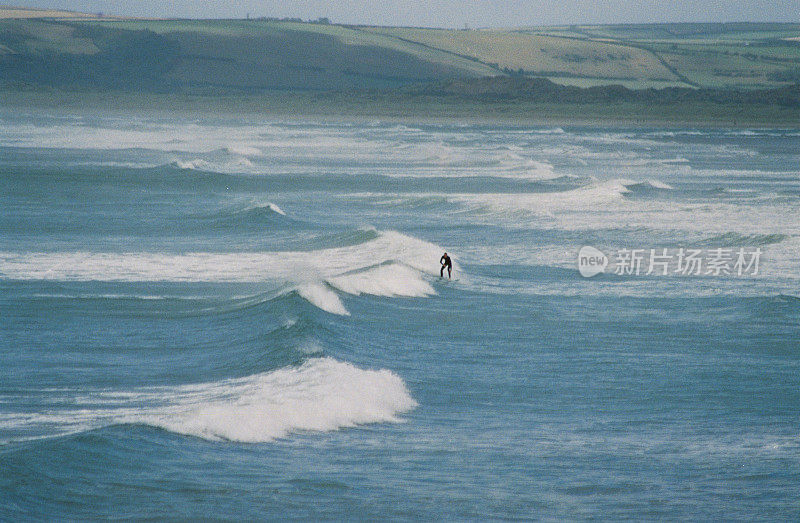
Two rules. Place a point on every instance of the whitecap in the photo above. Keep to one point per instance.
(321, 395)
(389, 264)
(385, 280)
(242, 150)
(323, 298)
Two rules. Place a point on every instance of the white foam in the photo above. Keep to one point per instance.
(246, 205)
(385, 280)
(242, 150)
(230, 164)
(591, 197)
(659, 184)
(438, 153)
(513, 165)
(194, 165)
(389, 265)
(322, 297)
(323, 394)
(553, 130)
(273, 207)
(605, 204)
(293, 266)
(110, 133)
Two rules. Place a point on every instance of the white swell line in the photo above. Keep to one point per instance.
(390, 265)
(222, 267)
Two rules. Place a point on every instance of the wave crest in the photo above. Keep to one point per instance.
(322, 297)
(384, 264)
(322, 394)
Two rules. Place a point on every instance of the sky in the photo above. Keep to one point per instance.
(449, 13)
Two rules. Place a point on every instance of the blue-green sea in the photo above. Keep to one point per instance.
(242, 318)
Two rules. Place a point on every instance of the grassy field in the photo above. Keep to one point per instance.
(737, 56)
(702, 55)
(544, 55)
(29, 12)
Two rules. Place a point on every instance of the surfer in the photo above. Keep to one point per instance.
(445, 261)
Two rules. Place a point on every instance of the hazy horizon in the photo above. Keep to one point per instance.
(450, 13)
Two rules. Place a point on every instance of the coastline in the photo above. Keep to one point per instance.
(403, 107)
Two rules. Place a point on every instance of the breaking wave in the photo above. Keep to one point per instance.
(322, 394)
(385, 264)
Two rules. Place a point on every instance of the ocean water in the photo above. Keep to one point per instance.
(242, 318)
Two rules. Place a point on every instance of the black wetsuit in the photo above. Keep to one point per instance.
(445, 261)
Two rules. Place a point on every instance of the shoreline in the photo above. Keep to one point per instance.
(401, 107)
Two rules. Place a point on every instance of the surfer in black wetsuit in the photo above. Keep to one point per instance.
(445, 261)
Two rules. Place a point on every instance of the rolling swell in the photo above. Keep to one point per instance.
(154, 311)
(164, 340)
(734, 239)
(245, 216)
(266, 267)
(249, 367)
(347, 238)
(266, 375)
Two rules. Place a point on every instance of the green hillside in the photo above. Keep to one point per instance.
(216, 56)
(230, 56)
